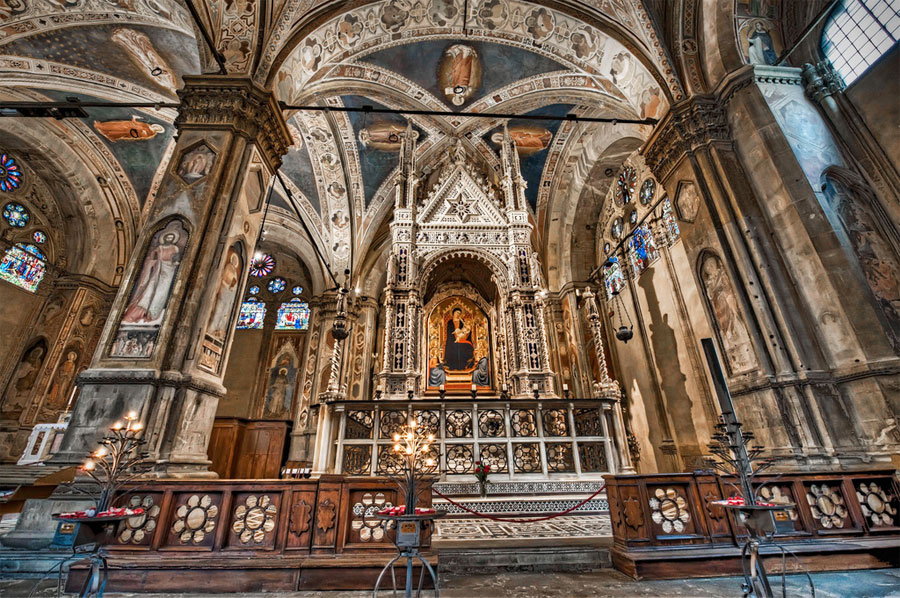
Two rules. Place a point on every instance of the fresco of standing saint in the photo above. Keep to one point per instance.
(146, 306)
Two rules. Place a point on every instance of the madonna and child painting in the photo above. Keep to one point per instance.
(458, 347)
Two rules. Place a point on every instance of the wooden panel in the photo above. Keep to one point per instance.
(300, 520)
(254, 518)
(262, 450)
(194, 519)
(327, 515)
(224, 442)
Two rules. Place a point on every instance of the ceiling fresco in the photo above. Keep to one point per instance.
(434, 65)
(533, 138)
(297, 166)
(155, 58)
(377, 141)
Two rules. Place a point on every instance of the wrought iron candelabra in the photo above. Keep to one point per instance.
(734, 454)
(119, 460)
(412, 447)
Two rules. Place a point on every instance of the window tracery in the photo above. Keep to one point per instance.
(252, 315)
(23, 267)
(16, 215)
(293, 315)
(859, 32)
(10, 174)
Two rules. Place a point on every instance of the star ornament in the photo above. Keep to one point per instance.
(462, 208)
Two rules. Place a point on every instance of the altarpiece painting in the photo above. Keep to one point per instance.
(459, 352)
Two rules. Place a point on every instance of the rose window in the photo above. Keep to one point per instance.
(276, 285)
(648, 189)
(16, 215)
(195, 519)
(10, 175)
(827, 505)
(876, 504)
(262, 265)
(625, 185)
(364, 522)
(135, 529)
(669, 510)
(254, 519)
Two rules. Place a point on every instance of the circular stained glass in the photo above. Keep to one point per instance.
(276, 285)
(262, 265)
(632, 217)
(648, 189)
(625, 186)
(616, 230)
(296, 290)
(253, 290)
(39, 237)
(16, 214)
(10, 175)
(606, 249)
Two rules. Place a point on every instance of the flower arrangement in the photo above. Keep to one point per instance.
(481, 474)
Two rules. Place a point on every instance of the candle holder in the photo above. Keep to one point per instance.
(442, 391)
(417, 463)
(537, 393)
(119, 460)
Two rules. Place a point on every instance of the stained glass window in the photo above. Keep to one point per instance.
(668, 220)
(276, 285)
(39, 237)
(10, 175)
(16, 214)
(252, 316)
(648, 189)
(32, 250)
(296, 290)
(254, 290)
(625, 185)
(613, 277)
(859, 32)
(606, 249)
(262, 264)
(293, 315)
(616, 229)
(641, 249)
(22, 268)
(632, 217)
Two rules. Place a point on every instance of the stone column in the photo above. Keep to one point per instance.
(606, 388)
(165, 345)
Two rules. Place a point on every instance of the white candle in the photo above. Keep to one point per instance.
(505, 387)
(442, 387)
(474, 387)
(565, 386)
(534, 386)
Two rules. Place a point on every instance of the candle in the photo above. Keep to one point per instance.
(565, 386)
(505, 387)
(474, 387)
(534, 386)
(442, 387)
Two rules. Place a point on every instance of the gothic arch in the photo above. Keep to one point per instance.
(444, 256)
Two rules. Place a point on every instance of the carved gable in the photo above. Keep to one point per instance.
(460, 200)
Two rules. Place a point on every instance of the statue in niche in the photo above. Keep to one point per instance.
(733, 331)
(23, 379)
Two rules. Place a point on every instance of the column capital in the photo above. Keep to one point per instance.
(689, 124)
(821, 80)
(237, 104)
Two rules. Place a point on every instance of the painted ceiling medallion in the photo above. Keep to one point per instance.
(459, 73)
(10, 175)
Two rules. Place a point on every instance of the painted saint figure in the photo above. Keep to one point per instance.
(231, 278)
(23, 379)
(761, 49)
(459, 353)
(151, 293)
(128, 130)
(459, 73)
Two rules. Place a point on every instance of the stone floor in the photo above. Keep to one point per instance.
(605, 583)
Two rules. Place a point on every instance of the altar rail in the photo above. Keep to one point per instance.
(665, 525)
(519, 439)
(250, 535)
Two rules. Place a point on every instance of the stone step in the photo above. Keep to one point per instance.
(542, 559)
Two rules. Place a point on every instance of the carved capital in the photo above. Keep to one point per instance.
(236, 104)
(821, 80)
(690, 124)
